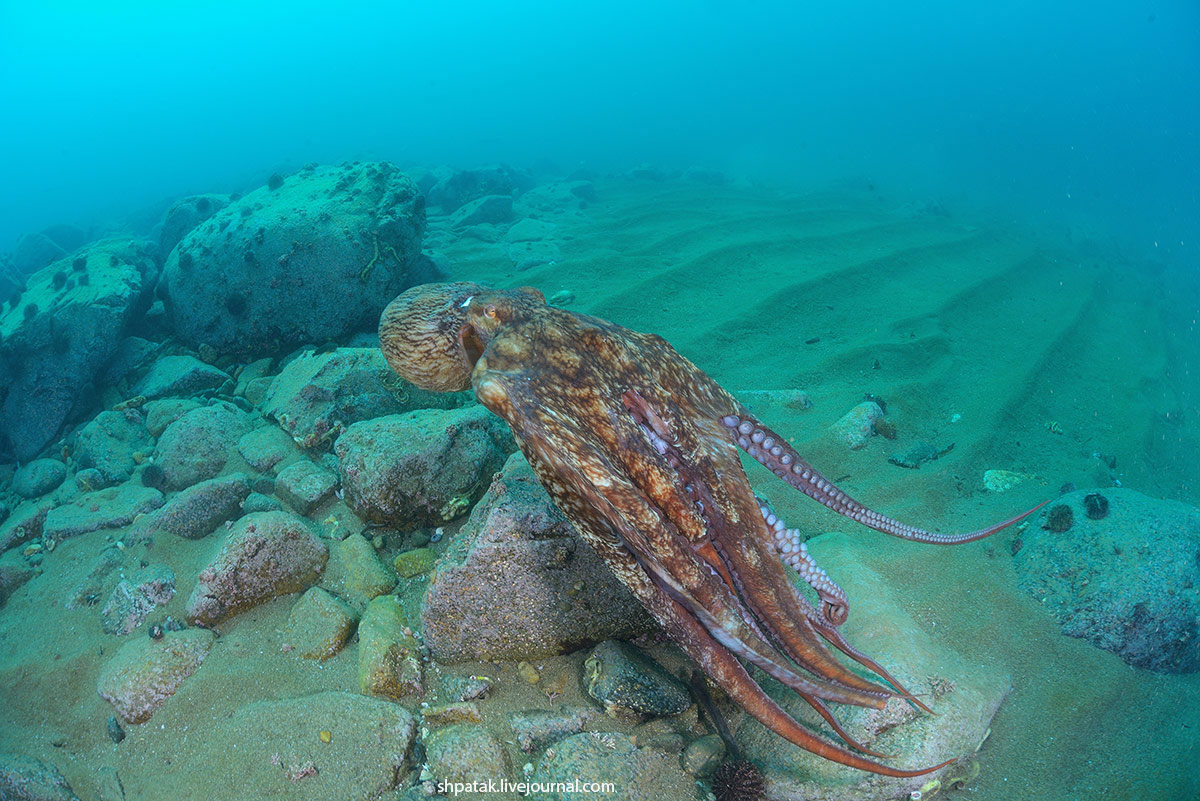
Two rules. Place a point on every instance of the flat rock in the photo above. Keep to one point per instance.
(304, 485)
(14, 573)
(528, 230)
(537, 728)
(264, 555)
(389, 662)
(1127, 582)
(25, 523)
(309, 259)
(422, 468)
(964, 694)
(459, 187)
(197, 511)
(134, 598)
(107, 508)
(196, 446)
(38, 477)
(636, 773)
(518, 583)
(316, 396)
(487, 209)
(465, 752)
(161, 413)
(24, 778)
(181, 376)
(265, 447)
(319, 625)
(273, 749)
(145, 672)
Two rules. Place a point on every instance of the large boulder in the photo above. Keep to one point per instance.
(1122, 571)
(59, 335)
(185, 215)
(423, 468)
(518, 583)
(318, 395)
(196, 446)
(307, 258)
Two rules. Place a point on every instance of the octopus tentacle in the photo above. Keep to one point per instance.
(835, 605)
(774, 453)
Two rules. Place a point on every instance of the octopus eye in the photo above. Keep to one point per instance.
(490, 311)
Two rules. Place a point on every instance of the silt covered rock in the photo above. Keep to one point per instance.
(421, 468)
(146, 672)
(196, 446)
(265, 554)
(518, 583)
(1122, 571)
(307, 258)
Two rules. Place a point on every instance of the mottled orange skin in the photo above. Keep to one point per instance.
(564, 382)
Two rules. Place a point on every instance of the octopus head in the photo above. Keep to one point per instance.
(432, 335)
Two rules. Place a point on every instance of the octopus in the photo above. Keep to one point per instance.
(639, 448)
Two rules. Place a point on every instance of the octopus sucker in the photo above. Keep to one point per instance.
(639, 449)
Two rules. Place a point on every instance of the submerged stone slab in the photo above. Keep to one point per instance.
(145, 672)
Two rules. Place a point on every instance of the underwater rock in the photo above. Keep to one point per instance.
(355, 571)
(265, 554)
(458, 188)
(1128, 582)
(134, 598)
(265, 447)
(527, 255)
(146, 672)
(916, 455)
(415, 562)
(636, 773)
(89, 590)
(518, 583)
(180, 376)
(964, 694)
(184, 215)
(857, 425)
(559, 196)
(108, 442)
(1001, 480)
(257, 502)
(389, 661)
(25, 523)
(161, 413)
(38, 477)
(537, 728)
(34, 251)
(529, 230)
(274, 749)
(465, 688)
(317, 395)
(133, 356)
(196, 446)
(107, 508)
(309, 261)
(319, 625)
(56, 342)
(14, 572)
(628, 683)
(24, 778)
(702, 756)
(422, 468)
(447, 714)
(304, 485)
(489, 209)
(465, 752)
(196, 512)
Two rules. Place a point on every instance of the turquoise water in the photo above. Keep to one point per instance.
(949, 254)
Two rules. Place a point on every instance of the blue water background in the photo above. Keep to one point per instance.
(1078, 115)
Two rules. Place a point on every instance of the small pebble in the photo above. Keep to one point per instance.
(115, 732)
(528, 672)
(326, 736)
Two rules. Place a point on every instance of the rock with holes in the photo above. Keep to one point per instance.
(1122, 571)
(309, 257)
(59, 336)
